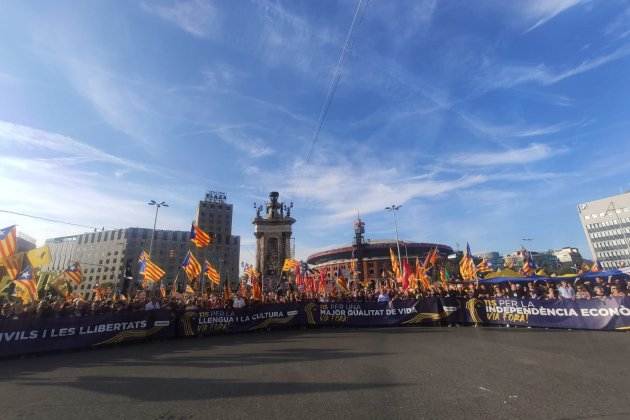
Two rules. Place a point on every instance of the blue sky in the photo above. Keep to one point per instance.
(489, 121)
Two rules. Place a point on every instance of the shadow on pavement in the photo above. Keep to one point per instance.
(185, 389)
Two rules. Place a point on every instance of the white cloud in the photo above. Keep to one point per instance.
(288, 39)
(512, 130)
(340, 190)
(542, 11)
(251, 145)
(52, 189)
(513, 75)
(532, 153)
(13, 135)
(197, 17)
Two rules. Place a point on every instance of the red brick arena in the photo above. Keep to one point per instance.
(376, 261)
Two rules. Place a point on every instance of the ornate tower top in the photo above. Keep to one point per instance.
(274, 210)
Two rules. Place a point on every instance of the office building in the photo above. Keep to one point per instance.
(606, 224)
(106, 255)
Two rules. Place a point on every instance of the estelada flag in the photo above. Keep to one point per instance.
(8, 241)
(73, 274)
(484, 267)
(191, 266)
(26, 284)
(148, 269)
(199, 237)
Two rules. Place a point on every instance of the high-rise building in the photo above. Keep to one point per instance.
(106, 255)
(214, 215)
(606, 224)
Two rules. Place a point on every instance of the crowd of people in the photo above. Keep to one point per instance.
(385, 292)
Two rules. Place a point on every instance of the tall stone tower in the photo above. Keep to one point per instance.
(273, 237)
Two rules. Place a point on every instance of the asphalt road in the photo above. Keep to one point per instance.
(435, 373)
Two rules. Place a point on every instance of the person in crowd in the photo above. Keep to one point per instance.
(238, 301)
(566, 291)
(383, 296)
(152, 305)
(598, 292)
(582, 292)
(616, 291)
(516, 291)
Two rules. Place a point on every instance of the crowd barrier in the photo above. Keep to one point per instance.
(40, 335)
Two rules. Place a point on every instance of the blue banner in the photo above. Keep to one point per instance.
(49, 334)
(373, 314)
(251, 318)
(611, 313)
(39, 335)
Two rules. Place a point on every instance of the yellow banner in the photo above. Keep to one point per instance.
(39, 257)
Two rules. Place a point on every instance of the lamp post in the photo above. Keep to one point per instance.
(157, 208)
(394, 208)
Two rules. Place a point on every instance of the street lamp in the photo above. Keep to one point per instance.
(394, 208)
(157, 208)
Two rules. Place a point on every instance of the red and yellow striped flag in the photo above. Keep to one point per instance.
(290, 264)
(149, 269)
(26, 285)
(210, 272)
(467, 267)
(73, 274)
(394, 261)
(191, 266)
(13, 264)
(484, 267)
(200, 238)
(8, 241)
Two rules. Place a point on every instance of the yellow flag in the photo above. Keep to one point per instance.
(39, 257)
